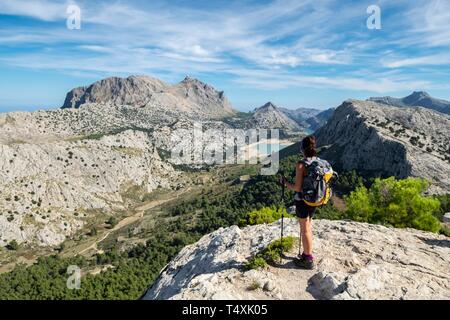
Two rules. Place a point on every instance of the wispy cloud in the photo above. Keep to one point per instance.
(436, 59)
(281, 80)
(270, 45)
(41, 9)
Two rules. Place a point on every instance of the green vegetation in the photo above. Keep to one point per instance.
(255, 285)
(265, 215)
(398, 203)
(271, 254)
(256, 263)
(94, 136)
(330, 212)
(112, 222)
(390, 202)
(136, 268)
(93, 232)
(132, 272)
(12, 245)
(238, 119)
(349, 181)
(128, 150)
(445, 231)
(445, 204)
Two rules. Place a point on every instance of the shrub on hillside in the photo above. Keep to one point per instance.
(12, 245)
(399, 203)
(349, 181)
(112, 221)
(445, 204)
(329, 212)
(265, 215)
(445, 231)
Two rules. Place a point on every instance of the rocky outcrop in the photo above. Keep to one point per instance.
(416, 99)
(270, 116)
(191, 96)
(377, 139)
(353, 261)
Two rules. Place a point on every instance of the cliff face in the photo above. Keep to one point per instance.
(383, 140)
(354, 261)
(134, 90)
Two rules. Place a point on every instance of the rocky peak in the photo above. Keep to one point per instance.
(191, 96)
(269, 116)
(419, 95)
(269, 106)
(417, 98)
(191, 80)
(353, 261)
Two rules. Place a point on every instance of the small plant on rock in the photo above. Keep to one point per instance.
(271, 254)
(12, 245)
(254, 286)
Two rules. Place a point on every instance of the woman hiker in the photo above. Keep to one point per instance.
(303, 211)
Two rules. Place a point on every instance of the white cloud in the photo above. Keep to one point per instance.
(436, 59)
(290, 43)
(280, 80)
(39, 9)
(426, 23)
(243, 32)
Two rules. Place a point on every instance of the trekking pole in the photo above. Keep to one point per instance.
(282, 215)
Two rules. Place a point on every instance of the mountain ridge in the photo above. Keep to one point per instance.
(190, 97)
(416, 99)
(383, 140)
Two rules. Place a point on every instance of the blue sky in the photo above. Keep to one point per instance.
(312, 53)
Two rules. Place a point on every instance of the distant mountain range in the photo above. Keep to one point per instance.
(301, 120)
(194, 99)
(416, 99)
(116, 134)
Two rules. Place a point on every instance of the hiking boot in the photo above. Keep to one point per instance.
(304, 263)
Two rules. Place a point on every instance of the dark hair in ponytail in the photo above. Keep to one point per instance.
(309, 146)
